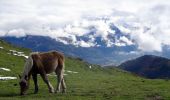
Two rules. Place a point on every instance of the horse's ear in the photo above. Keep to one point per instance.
(19, 76)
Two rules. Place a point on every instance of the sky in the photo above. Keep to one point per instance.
(147, 20)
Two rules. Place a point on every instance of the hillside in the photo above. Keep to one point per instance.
(148, 66)
(84, 81)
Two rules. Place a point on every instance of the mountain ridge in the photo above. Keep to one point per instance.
(149, 66)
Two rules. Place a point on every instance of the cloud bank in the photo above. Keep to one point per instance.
(143, 23)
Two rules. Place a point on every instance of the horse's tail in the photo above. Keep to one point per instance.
(62, 62)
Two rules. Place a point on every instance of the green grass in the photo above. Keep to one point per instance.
(88, 84)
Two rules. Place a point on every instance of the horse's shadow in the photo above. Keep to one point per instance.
(9, 95)
(14, 95)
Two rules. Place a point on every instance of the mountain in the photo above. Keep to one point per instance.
(98, 55)
(99, 41)
(105, 40)
(103, 83)
(149, 66)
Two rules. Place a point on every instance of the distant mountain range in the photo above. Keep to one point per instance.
(149, 66)
(98, 55)
(101, 55)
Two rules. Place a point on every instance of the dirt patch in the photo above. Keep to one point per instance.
(154, 97)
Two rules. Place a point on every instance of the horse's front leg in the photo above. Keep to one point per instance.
(34, 76)
(45, 78)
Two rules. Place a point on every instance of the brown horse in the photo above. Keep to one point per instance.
(43, 64)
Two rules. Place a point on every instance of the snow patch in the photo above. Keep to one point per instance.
(71, 72)
(5, 69)
(1, 47)
(90, 67)
(25, 57)
(17, 53)
(7, 78)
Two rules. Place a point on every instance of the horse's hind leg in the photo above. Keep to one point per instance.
(34, 76)
(60, 80)
(45, 78)
(63, 85)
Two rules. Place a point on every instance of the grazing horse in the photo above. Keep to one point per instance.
(43, 64)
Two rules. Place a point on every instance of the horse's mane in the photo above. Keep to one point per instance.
(28, 65)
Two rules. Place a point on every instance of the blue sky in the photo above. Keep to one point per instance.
(71, 18)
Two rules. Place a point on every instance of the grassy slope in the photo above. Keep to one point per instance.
(95, 83)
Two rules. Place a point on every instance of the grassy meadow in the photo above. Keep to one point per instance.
(84, 83)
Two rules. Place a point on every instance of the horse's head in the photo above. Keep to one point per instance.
(23, 85)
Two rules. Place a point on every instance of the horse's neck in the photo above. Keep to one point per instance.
(27, 68)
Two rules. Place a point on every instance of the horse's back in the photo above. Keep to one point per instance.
(48, 61)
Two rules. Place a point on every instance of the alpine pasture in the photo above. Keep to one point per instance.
(84, 81)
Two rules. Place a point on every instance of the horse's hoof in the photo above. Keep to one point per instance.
(51, 91)
(57, 91)
(35, 92)
(64, 91)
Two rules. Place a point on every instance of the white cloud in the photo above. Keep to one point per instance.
(146, 41)
(2, 33)
(126, 40)
(85, 44)
(120, 44)
(129, 53)
(64, 20)
(16, 32)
